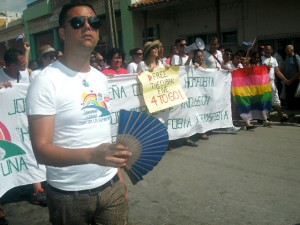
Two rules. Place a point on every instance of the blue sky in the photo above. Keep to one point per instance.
(14, 5)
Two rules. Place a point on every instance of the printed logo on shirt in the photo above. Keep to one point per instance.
(95, 107)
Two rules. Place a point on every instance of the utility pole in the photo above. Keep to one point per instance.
(110, 15)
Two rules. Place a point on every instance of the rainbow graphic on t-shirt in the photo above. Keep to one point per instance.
(92, 101)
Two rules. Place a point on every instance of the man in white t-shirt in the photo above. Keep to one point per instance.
(213, 57)
(15, 70)
(182, 57)
(69, 123)
(268, 60)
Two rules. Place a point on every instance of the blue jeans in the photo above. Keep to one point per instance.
(107, 207)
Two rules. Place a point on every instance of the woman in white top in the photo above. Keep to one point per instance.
(151, 57)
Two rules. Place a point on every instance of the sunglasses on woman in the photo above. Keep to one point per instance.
(155, 46)
(50, 55)
(78, 22)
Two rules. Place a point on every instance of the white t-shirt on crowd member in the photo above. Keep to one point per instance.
(132, 67)
(179, 60)
(143, 67)
(82, 120)
(23, 78)
(211, 61)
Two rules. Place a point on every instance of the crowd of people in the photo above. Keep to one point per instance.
(284, 74)
(56, 122)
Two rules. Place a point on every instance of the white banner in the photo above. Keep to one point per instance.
(208, 106)
(17, 162)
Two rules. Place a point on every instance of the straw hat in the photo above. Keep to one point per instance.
(148, 45)
(45, 49)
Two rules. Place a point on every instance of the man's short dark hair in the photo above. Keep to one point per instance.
(178, 40)
(228, 50)
(240, 53)
(66, 8)
(215, 39)
(133, 51)
(11, 56)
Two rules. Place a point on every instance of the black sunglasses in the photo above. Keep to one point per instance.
(154, 47)
(182, 45)
(78, 22)
(139, 53)
(51, 55)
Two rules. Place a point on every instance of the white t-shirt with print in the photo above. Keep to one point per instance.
(82, 120)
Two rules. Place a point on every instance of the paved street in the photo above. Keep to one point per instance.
(252, 178)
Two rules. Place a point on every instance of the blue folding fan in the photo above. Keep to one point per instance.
(147, 139)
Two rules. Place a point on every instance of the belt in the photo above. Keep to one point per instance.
(89, 191)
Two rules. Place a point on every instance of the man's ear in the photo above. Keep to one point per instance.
(61, 32)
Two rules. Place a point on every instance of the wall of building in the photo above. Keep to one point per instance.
(40, 24)
(266, 20)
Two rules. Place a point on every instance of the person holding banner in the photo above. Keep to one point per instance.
(199, 60)
(199, 63)
(255, 59)
(237, 59)
(184, 60)
(16, 72)
(114, 58)
(151, 57)
(69, 124)
(227, 63)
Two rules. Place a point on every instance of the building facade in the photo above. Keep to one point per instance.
(130, 23)
(269, 21)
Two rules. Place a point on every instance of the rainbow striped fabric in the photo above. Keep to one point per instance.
(252, 92)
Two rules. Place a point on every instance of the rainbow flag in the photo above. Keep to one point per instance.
(252, 92)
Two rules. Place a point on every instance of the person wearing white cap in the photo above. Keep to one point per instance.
(47, 55)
